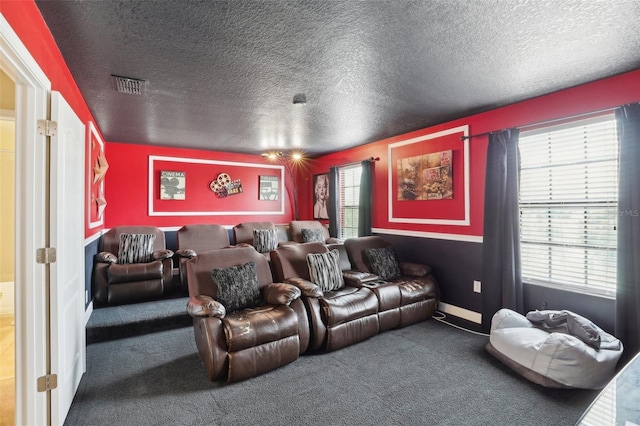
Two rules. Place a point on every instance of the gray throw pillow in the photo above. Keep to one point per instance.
(135, 248)
(313, 235)
(384, 263)
(265, 240)
(237, 286)
(324, 270)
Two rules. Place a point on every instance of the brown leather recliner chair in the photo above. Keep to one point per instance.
(337, 318)
(118, 283)
(195, 239)
(237, 344)
(296, 230)
(411, 297)
(243, 232)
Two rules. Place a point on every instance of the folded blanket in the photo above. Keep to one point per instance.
(571, 323)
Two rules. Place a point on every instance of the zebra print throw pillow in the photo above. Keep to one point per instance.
(265, 240)
(135, 248)
(324, 270)
(312, 235)
(237, 286)
(384, 263)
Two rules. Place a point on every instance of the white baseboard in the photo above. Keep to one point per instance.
(459, 312)
(87, 313)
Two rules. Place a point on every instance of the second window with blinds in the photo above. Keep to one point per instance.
(349, 193)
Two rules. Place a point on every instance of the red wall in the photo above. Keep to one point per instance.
(126, 188)
(26, 20)
(595, 96)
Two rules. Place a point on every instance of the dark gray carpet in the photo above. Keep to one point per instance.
(117, 322)
(427, 374)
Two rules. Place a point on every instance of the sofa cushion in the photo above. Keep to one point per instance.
(324, 270)
(384, 263)
(313, 235)
(265, 240)
(135, 248)
(237, 286)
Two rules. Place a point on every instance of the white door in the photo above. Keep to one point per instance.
(67, 176)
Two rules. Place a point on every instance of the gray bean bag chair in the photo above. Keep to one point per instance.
(556, 349)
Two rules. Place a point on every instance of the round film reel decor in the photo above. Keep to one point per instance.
(219, 185)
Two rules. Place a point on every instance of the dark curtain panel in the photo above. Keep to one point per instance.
(628, 289)
(501, 269)
(364, 212)
(334, 201)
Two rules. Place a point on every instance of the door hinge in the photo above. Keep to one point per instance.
(47, 383)
(47, 127)
(46, 255)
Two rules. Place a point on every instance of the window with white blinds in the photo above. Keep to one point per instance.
(349, 200)
(568, 205)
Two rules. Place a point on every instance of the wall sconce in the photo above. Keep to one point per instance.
(290, 161)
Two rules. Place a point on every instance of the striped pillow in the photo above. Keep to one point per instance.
(324, 270)
(135, 248)
(265, 240)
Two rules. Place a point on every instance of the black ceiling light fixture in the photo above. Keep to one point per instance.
(299, 99)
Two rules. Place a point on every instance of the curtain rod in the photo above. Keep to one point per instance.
(370, 159)
(539, 123)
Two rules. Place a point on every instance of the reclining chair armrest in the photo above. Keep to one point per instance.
(415, 270)
(162, 254)
(307, 288)
(205, 306)
(106, 257)
(357, 278)
(333, 240)
(280, 293)
(186, 253)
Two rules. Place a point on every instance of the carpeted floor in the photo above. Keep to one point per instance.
(117, 322)
(427, 374)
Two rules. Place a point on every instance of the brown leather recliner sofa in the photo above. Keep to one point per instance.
(410, 295)
(195, 239)
(337, 318)
(118, 281)
(237, 343)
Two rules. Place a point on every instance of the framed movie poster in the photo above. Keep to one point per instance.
(321, 196)
(268, 188)
(428, 179)
(172, 185)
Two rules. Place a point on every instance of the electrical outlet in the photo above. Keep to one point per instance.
(477, 286)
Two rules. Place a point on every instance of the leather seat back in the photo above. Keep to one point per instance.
(202, 237)
(356, 248)
(199, 268)
(243, 232)
(111, 239)
(290, 261)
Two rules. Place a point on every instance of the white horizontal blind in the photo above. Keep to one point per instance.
(349, 200)
(568, 205)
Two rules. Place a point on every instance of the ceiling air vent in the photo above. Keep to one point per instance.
(131, 86)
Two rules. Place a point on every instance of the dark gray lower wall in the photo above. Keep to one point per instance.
(90, 251)
(455, 265)
(599, 310)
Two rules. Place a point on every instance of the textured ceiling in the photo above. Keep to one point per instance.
(222, 75)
